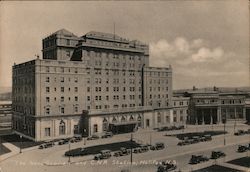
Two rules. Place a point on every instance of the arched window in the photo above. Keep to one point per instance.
(114, 119)
(123, 119)
(131, 118)
(62, 128)
(105, 124)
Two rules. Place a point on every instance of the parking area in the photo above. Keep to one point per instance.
(217, 168)
(244, 161)
(3, 149)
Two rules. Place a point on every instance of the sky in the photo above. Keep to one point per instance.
(205, 42)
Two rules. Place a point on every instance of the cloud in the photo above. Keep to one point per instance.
(199, 63)
(205, 54)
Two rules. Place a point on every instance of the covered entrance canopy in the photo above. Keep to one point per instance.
(123, 127)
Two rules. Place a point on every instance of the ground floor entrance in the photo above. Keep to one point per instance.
(206, 115)
(123, 127)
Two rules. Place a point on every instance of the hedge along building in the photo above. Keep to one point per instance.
(91, 84)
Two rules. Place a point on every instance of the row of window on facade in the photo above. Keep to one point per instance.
(180, 103)
(157, 89)
(115, 106)
(115, 72)
(61, 69)
(62, 79)
(115, 64)
(62, 99)
(158, 96)
(61, 110)
(115, 81)
(62, 130)
(112, 55)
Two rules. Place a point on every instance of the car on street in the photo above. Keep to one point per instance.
(196, 159)
(239, 133)
(167, 166)
(157, 146)
(76, 138)
(107, 135)
(217, 154)
(93, 137)
(46, 144)
(242, 148)
(208, 137)
(64, 141)
(104, 154)
(122, 152)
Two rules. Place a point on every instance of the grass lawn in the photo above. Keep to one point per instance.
(3, 149)
(112, 146)
(245, 161)
(217, 168)
(191, 134)
(17, 141)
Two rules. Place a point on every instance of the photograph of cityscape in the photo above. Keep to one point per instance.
(124, 86)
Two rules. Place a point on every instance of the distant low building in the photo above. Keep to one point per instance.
(5, 115)
(214, 106)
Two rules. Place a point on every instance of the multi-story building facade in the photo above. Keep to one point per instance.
(91, 84)
(180, 109)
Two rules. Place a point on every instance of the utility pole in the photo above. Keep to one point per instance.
(69, 154)
(131, 149)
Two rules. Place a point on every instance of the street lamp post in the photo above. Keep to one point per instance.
(224, 132)
(131, 149)
(21, 139)
(150, 138)
(69, 155)
(84, 136)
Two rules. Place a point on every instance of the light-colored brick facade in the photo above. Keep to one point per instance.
(90, 84)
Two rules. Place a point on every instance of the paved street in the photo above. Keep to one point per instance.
(52, 159)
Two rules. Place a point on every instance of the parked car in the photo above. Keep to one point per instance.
(137, 150)
(167, 166)
(46, 144)
(157, 146)
(208, 137)
(107, 135)
(242, 148)
(217, 154)
(196, 139)
(64, 141)
(93, 137)
(76, 152)
(76, 138)
(196, 159)
(239, 133)
(122, 152)
(104, 154)
(144, 148)
(163, 129)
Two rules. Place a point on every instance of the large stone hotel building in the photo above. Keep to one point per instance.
(91, 84)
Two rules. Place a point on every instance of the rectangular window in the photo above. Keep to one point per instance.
(62, 110)
(76, 89)
(47, 132)
(88, 89)
(47, 111)
(62, 89)
(76, 98)
(47, 79)
(76, 109)
(47, 90)
(88, 98)
(62, 79)
(47, 99)
(62, 99)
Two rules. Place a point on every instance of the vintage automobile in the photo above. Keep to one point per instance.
(104, 154)
(144, 148)
(64, 141)
(196, 159)
(137, 150)
(157, 146)
(107, 135)
(239, 133)
(163, 129)
(217, 154)
(46, 144)
(167, 166)
(76, 138)
(122, 152)
(242, 148)
(93, 137)
(208, 137)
